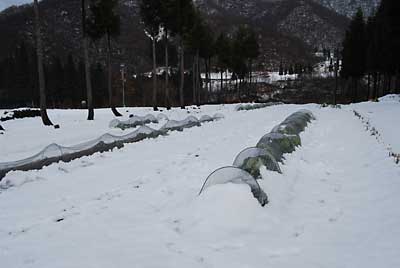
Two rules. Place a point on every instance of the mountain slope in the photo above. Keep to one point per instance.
(288, 29)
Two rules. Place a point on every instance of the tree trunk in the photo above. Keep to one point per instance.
(336, 86)
(109, 82)
(369, 86)
(375, 89)
(355, 89)
(167, 98)
(198, 79)
(221, 82)
(379, 84)
(39, 51)
(237, 89)
(88, 80)
(250, 75)
(182, 83)
(85, 43)
(384, 84)
(209, 75)
(154, 75)
(240, 85)
(194, 80)
(207, 80)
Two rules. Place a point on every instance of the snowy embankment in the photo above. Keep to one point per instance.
(334, 205)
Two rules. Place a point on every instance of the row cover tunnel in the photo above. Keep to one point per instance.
(54, 153)
(269, 152)
(254, 106)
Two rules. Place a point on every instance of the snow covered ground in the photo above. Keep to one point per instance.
(384, 116)
(335, 205)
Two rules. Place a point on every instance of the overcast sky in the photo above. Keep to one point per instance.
(6, 3)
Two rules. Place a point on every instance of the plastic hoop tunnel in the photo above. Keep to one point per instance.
(235, 175)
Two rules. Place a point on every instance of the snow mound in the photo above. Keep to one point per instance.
(390, 98)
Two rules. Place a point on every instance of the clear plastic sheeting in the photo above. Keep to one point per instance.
(239, 176)
(270, 149)
(190, 119)
(277, 144)
(133, 122)
(206, 118)
(254, 106)
(285, 129)
(173, 125)
(218, 116)
(54, 153)
(289, 132)
(306, 113)
(297, 121)
(253, 158)
(295, 124)
(162, 117)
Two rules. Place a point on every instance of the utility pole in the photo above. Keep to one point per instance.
(123, 83)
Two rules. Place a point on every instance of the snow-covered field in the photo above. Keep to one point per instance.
(335, 205)
(384, 116)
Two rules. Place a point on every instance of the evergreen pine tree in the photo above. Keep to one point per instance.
(354, 51)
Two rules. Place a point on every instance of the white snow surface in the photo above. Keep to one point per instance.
(335, 205)
(384, 116)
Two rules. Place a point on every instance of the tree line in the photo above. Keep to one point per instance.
(371, 52)
(179, 23)
(64, 78)
(176, 25)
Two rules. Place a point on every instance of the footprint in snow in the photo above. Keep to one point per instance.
(63, 169)
(336, 217)
(299, 230)
(108, 196)
(337, 189)
(86, 163)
